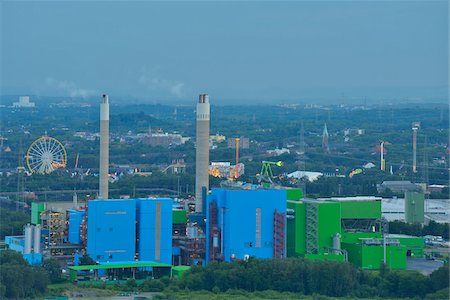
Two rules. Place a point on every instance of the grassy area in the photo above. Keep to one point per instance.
(241, 295)
(69, 289)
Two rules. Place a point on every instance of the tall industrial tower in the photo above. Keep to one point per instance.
(104, 147)
(382, 161)
(325, 136)
(415, 127)
(202, 151)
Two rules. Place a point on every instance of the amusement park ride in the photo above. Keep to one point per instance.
(45, 155)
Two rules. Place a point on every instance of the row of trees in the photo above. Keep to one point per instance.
(313, 277)
(432, 228)
(295, 278)
(12, 222)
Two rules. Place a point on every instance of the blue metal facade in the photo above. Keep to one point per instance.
(15, 243)
(111, 234)
(154, 217)
(238, 212)
(75, 218)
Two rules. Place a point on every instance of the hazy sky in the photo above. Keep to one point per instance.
(231, 50)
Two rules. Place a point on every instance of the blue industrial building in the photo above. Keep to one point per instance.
(129, 229)
(111, 230)
(154, 223)
(243, 223)
(75, 218)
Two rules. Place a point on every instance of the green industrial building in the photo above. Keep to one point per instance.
(36, 209)
(345, 229)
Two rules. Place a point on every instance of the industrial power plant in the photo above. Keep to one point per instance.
(156, 236)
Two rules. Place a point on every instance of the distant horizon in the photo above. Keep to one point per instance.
(324, 100)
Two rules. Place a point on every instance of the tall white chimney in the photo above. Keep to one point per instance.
(104, 147)
(202, 151)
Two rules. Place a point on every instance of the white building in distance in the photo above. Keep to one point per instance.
(24, 101)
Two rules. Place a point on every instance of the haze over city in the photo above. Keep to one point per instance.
(254, 51)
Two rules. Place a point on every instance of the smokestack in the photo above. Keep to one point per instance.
(415, 127)
(382, 161)
(202, 151)
(104, 147)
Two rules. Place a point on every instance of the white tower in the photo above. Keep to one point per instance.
(202, 151)
(104, 147)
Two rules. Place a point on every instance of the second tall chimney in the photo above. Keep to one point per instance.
(202, 151)
(104, 148)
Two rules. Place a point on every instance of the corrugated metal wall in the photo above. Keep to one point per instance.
(111, 230)
(247, 220)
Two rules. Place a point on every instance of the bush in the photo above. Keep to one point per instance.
(439, 295)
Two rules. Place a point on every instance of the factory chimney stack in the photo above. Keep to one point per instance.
(104, 147)
(202, 151)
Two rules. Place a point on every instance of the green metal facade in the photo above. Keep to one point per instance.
(414, 207)
(179, 216)
(353, 237)
(36, 209)
(360, 209)
(371, 257)
(325, 256)
(330, 214)
(296, 244)
(294, 194)
(415, 245)
(329, 224)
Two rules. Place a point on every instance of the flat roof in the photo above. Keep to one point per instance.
(394, 235)
(119, 265)
(350, 199)
(182, 268)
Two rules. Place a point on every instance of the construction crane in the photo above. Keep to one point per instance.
(266, 170)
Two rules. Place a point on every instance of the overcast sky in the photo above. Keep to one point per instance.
(231, 50)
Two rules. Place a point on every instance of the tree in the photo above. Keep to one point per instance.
(53, 269)
(439, 278)
(86, 260)
(18, 280)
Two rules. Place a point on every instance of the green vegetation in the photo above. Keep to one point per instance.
(18, 280)
(290, 278)
(12, 222)
(319, 277)
(433, 228)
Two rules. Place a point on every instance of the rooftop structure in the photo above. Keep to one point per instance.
(399, 186)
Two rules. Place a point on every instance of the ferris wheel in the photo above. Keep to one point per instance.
(45, 155)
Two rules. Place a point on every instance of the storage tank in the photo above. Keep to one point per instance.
(337, 241)
(28, 239)
(37, 239)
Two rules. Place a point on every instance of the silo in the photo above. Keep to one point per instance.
(28, 239)
(37, 239)
(336, 242)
